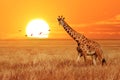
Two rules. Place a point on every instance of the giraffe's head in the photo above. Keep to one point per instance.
(60, 20)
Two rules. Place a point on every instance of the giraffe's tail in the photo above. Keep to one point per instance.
(104, 61)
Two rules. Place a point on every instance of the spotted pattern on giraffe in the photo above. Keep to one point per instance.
(85, 45)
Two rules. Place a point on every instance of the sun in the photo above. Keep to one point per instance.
(37, 28)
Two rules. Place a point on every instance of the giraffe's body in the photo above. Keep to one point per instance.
(86, 47)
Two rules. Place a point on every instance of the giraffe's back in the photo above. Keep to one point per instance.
(89, 46)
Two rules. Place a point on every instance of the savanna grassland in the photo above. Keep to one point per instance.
(55, 60)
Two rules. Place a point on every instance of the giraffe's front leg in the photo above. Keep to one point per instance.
(85, 55)
(78, 58)
(85, 58)
(79, 54)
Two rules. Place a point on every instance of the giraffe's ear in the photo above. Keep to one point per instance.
(63, 18)
(58, 18)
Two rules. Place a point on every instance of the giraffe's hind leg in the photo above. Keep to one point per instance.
(104, 62)
(99, 54)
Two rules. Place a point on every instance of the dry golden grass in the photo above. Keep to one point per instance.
(56, 63)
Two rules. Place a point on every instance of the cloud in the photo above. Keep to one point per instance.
(113, 20)
(117, 17)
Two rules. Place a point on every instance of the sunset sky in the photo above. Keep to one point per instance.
(98, 19)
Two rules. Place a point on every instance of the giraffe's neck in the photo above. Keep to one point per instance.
(75, 35)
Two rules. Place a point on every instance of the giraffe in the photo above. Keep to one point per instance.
(85, 46)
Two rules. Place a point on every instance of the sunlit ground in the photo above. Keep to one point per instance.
(55, 60)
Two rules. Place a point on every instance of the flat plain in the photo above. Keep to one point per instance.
(37, 59)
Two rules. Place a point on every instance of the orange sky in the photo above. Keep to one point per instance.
(99, 19)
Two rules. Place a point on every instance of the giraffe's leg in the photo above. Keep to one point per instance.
(84, 55)
(79, 54)
(104, 62)
(78, 58)
(85, 58)
(101, 58)
(94, 57)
